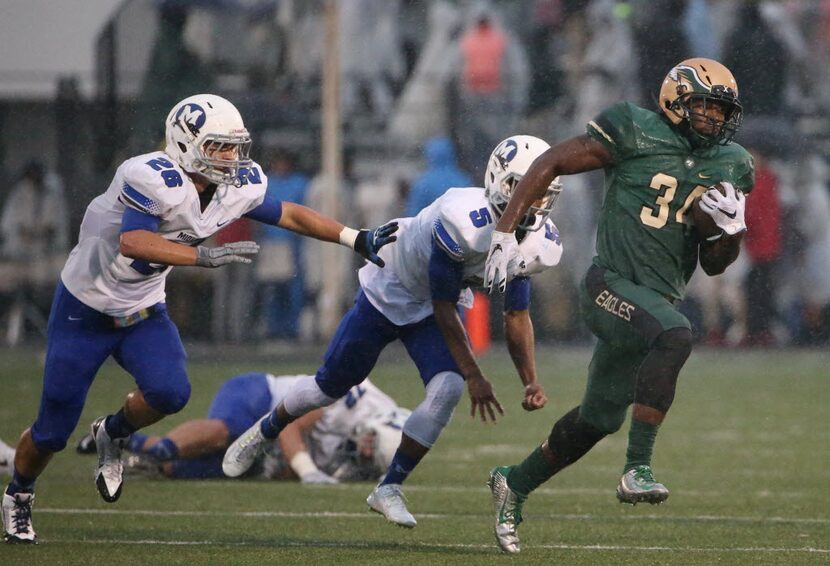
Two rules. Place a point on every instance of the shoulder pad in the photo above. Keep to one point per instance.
(461, 213)
(541, 249)
(153, 183)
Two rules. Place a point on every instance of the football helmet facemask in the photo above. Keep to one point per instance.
(689, 90)
(507, 165)
(201, 131)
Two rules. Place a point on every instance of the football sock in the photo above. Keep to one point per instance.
(272, 426)
(117, 425)
(164, 450)
(136, 442)
(20, 484)
(641, 439)
(530, 474)
(400, 468)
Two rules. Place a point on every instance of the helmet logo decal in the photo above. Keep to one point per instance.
(506, 152)
(193, 116)
(683, 73)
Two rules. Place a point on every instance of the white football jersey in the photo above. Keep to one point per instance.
(462, 222)
(99, 276)
(335, 428)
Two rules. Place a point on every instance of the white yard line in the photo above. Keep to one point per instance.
(440, 516)
(366, 545)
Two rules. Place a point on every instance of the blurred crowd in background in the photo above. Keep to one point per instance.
(428, 87)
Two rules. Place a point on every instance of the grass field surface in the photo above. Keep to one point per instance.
(745, 453)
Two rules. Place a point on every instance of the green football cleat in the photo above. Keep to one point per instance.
(508, 506)
(638, 485)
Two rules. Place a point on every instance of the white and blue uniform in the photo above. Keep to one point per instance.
(243, 399)
(108, 304)
(439, 255)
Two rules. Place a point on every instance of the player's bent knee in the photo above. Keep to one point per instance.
(606, 417)
(170, 400)
(677, 342)
(429, 418)
(306, 396)
(49, 442)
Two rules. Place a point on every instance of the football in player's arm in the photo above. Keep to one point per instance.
(156, 213)
(439, 254)
(657, 164)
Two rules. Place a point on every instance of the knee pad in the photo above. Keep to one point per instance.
(168, 401)
(306, 396)
(429, 418)
(657, 377)
(604, 416)
(50, 442)
(572, 437)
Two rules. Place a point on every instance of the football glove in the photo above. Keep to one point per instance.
(726, 210)
(233, 252)
(504, 250)
(369, 242)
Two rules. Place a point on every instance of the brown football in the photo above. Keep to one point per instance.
(704, 223)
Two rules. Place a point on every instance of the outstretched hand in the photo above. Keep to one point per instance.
(483, 400)
(369, 242)
(233, 252)
(535, 397)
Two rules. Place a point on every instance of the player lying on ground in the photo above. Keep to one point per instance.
(354, 439)
(656, 165)
(155, 214)
(440, 253)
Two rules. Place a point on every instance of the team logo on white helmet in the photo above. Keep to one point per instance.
(205, 134)
(507, 165)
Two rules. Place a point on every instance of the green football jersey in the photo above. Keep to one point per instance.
(645, 232)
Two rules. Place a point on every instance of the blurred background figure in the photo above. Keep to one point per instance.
(492, 83)
(280, 273)
(232, 289)
(442, 172)
(35, 237)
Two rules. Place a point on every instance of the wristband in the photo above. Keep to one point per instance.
(302, 464)
(348, 236)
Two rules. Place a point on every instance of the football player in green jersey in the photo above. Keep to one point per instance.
(656, 165)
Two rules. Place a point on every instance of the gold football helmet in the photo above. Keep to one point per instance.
(702, 95)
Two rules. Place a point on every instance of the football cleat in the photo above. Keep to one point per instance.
(508, 507)
(17, 518)
(388, 500)
(638, 485)
(6, 459)
(109, 473)
(86, 445)
(240, 456)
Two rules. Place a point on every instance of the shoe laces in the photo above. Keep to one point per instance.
(644, 474)
(22, 515)
(394, 496)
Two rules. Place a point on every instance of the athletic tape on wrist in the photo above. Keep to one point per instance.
(348, 236)
(302, 464)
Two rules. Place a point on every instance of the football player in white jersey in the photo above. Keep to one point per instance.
(439, 254)
(353, 439)
(155, 214)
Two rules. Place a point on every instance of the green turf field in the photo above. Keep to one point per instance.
(745, 452)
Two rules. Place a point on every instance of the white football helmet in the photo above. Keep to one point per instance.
(382, 434)
(200, 125)
(507, 165)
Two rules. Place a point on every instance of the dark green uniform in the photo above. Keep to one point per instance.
(646, 247)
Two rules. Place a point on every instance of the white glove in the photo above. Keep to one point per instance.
(504, 252)
(726, 210)
(233, 252)
(317, 478)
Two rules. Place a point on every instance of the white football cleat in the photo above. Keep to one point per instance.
(17, 518)
(109, 473)
(240, 456)
(508, 507)
(388, 500)
(6, 459)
